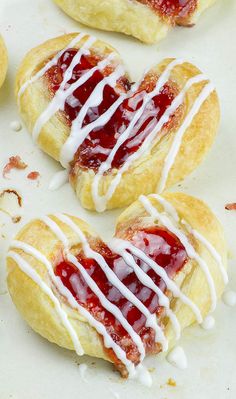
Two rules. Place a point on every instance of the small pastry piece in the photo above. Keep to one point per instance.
(147, 20)
(118, 140)
(163, 270)
(3, 61)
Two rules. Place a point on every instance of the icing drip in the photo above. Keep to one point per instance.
(178, 358)
(166, 221)
(58, 180)
(208, 323)
(229, 298)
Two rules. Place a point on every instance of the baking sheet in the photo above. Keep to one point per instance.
(30, 367)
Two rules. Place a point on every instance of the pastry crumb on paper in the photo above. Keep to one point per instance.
(231, 207)
(11, 204)
(14, 162)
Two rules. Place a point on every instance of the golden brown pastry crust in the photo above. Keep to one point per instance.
(3, 61)
(38, 310)
(129, 17)
(144, 174)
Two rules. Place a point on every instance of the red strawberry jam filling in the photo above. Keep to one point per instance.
(175, 11)
(98, 144)
(157, 243)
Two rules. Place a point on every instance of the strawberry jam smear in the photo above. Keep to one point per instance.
(176, 11)
(100, 141)
(159, 245)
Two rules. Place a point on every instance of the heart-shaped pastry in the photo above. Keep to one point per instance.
(3, 61)
(118, 140)
(147, 20)
(163, 270)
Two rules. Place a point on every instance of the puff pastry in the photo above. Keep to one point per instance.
(3, 61)
(117, 140)
(147, 20)
(163, 271)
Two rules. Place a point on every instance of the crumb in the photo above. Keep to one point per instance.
(33, 175)
(151, 369)
(231, 207)
(10, 202)
(14, 162)
(15, 126)
(16, 219)
(171, 382)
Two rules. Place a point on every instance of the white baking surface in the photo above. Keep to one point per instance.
(30, 367)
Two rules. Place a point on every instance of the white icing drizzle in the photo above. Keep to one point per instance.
(177, 358)
(119, 246)
(112, 277)
(208, 323)
(99, 327)
(169, 209)
(75, 140)
(83, 368)
(79, 132)
(166, 221)
(49, 64)
(27, 269)
(91, 283)
(229, 298)
(105, 166)
(16, 126)
(170, 284)
(61, 95)
(215, 254)
(177, 141)
(101, 201)
(58, 180)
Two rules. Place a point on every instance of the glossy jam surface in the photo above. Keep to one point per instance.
(161, 246)
(172, 9)
(97, 146)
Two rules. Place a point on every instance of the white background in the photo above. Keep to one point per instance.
(30, 367)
